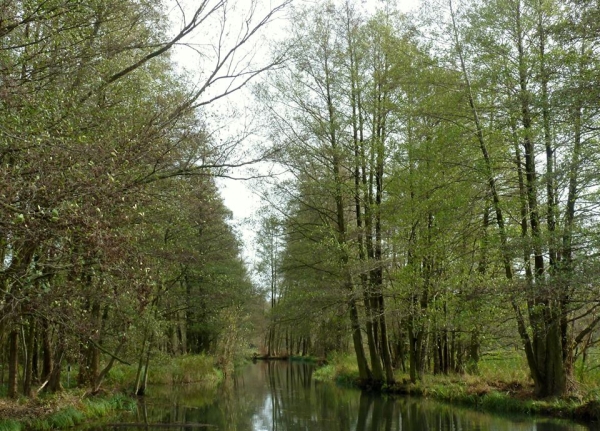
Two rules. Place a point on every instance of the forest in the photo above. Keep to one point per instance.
(439, 201)
(442, 192)
(115, 243)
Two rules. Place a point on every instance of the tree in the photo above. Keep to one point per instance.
(93, 115)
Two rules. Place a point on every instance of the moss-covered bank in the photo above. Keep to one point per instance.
(483, 392)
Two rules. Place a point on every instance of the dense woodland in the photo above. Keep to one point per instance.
(440, 197)
(114, 241)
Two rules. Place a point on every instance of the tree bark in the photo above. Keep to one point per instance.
(28, 369)
(13, 363)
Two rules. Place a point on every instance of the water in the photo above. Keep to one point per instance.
(281, 396)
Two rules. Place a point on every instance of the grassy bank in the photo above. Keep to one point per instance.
(73, 406)
(501, 386)
(60, 411)
(169, 371)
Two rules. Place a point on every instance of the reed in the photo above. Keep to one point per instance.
(167, 371)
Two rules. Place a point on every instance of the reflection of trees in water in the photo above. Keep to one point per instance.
(281, 396)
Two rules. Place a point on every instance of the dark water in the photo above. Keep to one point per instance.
(281, 396)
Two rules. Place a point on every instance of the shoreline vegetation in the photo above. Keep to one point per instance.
(74, 406)
(60, 411)
(502, 386)
(497, 388)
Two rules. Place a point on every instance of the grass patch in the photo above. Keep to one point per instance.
(326, 373)
(65, 418)
(341, 369)
(186, 369)
(501, 386)
(60, 411)
(10, 425)
(170, 371)
(503, 367)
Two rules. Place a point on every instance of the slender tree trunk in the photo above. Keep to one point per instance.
(141, 389)
(54, 384)
(363, 369)
(364, 372)
(35, 372)
(13, 363)
(47, 364)
(544, 316)
(138, 374)
(28, 369)
(531, 350)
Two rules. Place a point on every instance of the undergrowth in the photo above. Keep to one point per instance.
(167, 371)
(502, 386)
(10, 425)
(64, 411)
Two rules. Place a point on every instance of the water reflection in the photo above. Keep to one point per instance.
(281, 396)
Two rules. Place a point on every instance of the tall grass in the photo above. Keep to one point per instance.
(502, 385)
(186, 369)
(65, 418)
(65, 411)
(504, 367)
(341, 369)
(10, 425)
(167, 371)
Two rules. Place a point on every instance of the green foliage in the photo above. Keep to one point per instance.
(111, 218)
(186, 369)
(100, 408)
(65, 418)
(448, 168)
(341, 369)
(169, 371)
(492, 391)
(118, 401)
(504, 366)
(10, 425)
(326, 373)
(67, 410)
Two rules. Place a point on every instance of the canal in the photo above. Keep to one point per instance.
(282, 396)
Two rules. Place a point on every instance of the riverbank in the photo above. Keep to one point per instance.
(75, 406)
(293, 358)
(60, 411)
(500, 392)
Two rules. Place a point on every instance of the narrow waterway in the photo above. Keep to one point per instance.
(282, 396)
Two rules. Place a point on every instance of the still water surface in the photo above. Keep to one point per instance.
(281, 396)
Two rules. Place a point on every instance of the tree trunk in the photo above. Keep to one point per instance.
(28, 369)
(473, 357)
(13, 363)
(46, 351)
(364, 373)
(54, 384)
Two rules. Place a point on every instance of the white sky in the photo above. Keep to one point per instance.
(238, 194)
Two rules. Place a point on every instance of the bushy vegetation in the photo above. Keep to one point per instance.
(169, 371)
(62, 411)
